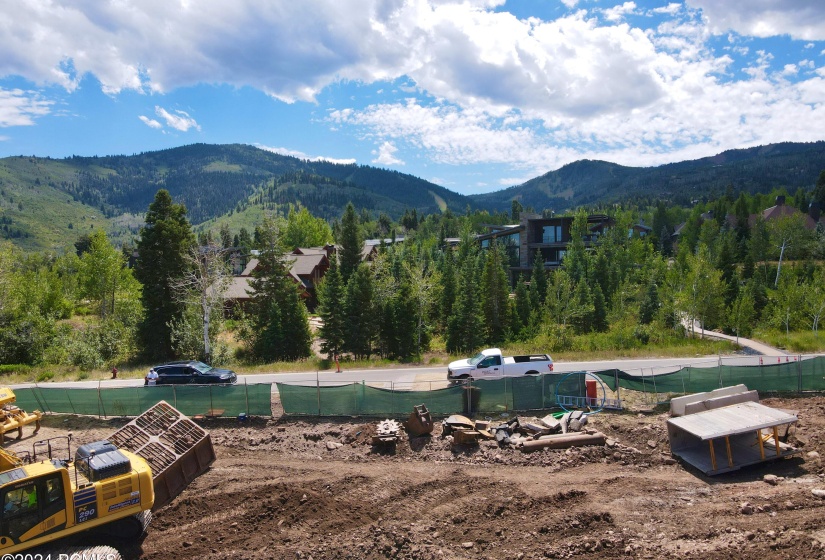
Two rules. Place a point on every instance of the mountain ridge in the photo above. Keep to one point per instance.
(46, 202)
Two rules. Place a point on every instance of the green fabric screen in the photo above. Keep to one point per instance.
(217, 400)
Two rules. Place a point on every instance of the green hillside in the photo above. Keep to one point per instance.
(36, 211)
(753, 170)
(233, 183)
(47, 203)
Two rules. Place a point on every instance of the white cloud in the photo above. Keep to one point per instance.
(670, 9)
(790, 70)
(617, 13)
(179, 121)
(151, 123)
(801, 19)
(385, 155)
(570, 3)
(301, 155)
(21, 108)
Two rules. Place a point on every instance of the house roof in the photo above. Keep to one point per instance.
(306, 264)
(239, 288)
(782, 210)
(250, 266)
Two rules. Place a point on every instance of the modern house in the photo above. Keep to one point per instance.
(549, 237)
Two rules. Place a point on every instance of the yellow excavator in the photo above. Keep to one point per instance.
(12, 417)
(109, 486)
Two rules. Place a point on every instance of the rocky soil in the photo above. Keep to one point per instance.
(309, 488)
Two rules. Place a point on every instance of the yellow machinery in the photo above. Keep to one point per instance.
(105, 487)
(13, 418)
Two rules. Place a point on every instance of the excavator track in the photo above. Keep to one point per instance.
(177, 449)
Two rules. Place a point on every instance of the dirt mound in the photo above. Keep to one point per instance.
(318, 488)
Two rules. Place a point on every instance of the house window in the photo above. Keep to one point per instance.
(551, 234)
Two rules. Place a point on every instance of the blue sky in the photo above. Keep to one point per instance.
(475, 95)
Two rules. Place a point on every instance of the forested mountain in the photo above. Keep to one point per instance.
(47, 203)
(760, 169)
(211, 181)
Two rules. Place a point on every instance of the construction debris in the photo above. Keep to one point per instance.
(727, 429)
(563, 441)
(420, 422)
(387, 432)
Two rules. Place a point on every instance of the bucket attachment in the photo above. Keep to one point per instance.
(420, 422)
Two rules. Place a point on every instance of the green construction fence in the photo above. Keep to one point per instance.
(533, 392)
(194, 400)
(794, 375)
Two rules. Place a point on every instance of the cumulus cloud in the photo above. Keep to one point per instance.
(301, 155)
(21, 108)
(385, 155)
(801, 19)
(151, 123)
(617, 13)
(180, 120)
(670, 9)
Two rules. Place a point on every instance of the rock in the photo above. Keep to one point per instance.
(617, 456)
(611, 443)
(467, 544)
(333, 445)
(772, 479)
(652, 444)
(813, 455)
(669, 461)
(818, 492)
(745, 508)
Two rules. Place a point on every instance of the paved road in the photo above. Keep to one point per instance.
(435, 377)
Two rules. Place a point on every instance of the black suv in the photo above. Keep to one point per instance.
(192, 372)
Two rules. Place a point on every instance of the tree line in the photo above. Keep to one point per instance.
(724, 270)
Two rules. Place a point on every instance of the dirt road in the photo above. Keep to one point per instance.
(287, 488)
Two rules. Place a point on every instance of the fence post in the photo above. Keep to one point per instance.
(100, 402)
(246, 394)
(318, 391)
(799, 374)
(175, 395)
(719, 366)
(543, 393)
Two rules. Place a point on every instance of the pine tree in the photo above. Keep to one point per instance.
(162, 247)
(538, 281)
(350, 242)
(280, 320)
(495, 294)
(331, 298)
(600, 323)
(360, 314)
(464, 331)
(448, 290)
(650, 304)
(523, 308)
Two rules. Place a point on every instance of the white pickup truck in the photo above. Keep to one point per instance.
(489, 364)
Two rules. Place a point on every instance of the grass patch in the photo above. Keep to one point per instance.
(802, 342)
